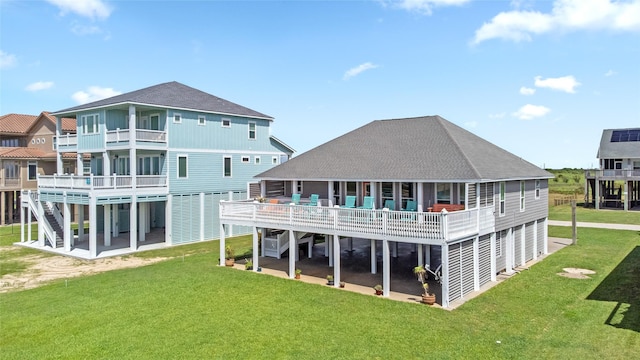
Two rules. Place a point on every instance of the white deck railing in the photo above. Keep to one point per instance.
(120, 135)
(66, 139)
(611, 173)
(100, 182)
(376, 223)
(10, 182)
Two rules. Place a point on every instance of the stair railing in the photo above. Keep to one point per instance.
(48, 231)
(55, 211)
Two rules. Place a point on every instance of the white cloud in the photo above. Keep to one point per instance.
(527, 91)
(93, 93)
(80, 29)
(564, 83)
(566, 15)
(529, 112)
(7, 60)
(40, 85)
(426, 6)
(497, 116)
(87, 8)
(610, 73)
(358, 69)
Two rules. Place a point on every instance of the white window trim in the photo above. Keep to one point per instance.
(29, 164)
(230, 166)
(257, 160)
(523, 195)
(255, 130)
(274, 160)
(245, 159)
(202, 120)
(222, 121)
(83, 122)
(178, 156)
(179, 118)
(537, 191)
(502, 204)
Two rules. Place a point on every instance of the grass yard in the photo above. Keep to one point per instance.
(187, 307)
(563, 212)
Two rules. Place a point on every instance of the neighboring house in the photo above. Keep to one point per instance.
(617, 183)
(157, 160)
(27, 148)
(427, 161)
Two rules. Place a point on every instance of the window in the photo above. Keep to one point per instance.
(202, 120)
(299, 186)
(245, 159)
(177, 118)
(226, 123)
(443, 193)
(537, 189)
(522, 193)
(502, 194)
(406, 193)
(227, 166)
(252, 131)
(274, 160)
(86, 168)
(486, 194)
(33, 141)
(182, 166)
(386, 191)
(256, 160)
(32, 170)
(462, 194)
(499, 237)
(89, 123)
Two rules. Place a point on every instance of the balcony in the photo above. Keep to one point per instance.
(610, 174)
(142, 135)
(112, 138)
(416, 227)
(10, 182)
(91, 182)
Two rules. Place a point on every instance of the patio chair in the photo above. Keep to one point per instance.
(411, 206)
(295, 199)
(350, 202)
(390, 204)
(367, 203)
(313, 200)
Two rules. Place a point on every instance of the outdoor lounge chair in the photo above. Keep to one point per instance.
(411, 206)
(367, 203)
(295, 199)
(313, 200)
(350, 202)
(390, 204)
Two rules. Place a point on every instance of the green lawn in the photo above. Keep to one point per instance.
(188, 307)
(563, 212)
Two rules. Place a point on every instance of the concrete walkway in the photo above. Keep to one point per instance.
(596, 225)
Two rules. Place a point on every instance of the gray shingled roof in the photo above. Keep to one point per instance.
(617, 150)
(172, 95)
(426, 148)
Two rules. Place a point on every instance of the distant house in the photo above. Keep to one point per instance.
(27, 148)
(152, 166)
(402, 173)
(616, 184)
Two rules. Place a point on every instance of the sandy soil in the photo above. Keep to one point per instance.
(576, 273)
(42, 270)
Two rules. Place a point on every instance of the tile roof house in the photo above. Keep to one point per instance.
(152, 166)
(27, 148)
(495, 203)
(619, 158)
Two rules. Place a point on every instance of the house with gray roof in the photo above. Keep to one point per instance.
(616, 184)
(470, 208)
(152, 166)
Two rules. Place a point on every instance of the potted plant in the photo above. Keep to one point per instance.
(248, 264)
(330, 280)
(427, 297)
(378, 289)
(229, 256)
(298, 272)
(342, 284)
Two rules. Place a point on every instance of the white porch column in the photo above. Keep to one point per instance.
(29, 216)
(386, 268)
(80, 223)
(420, 255)
(326, 245)
(133, 157)
(420, 195)
(222, 245)
(201, 216)
(597, 191)
(523, 247)
(294, 186)
(79, 165)
(330, 243)
(59, 168)
(336, 260)
(493, 256)
(107, 225)
(374, 260)
(535, 240)
(427, 256)
(330, 193)
(3, 210)
(142, 221)
(93, 244)
(625, 195)
(66, 219)
(115, 221)
(293, 249)
(106, 164)
(255, 249)
(22, 222)
(476, 263)
(40, 221)
(133, 224)
(263, 188)
(372, 190)
(168, 220)
(445, 275)
(546, 236)
(509, 252)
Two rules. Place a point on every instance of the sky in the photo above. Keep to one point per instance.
(540, 79)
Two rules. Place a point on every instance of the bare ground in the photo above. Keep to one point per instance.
(44, 269)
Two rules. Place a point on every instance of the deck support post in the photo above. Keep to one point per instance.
(29, 217)
(326, 245)
(350, 244)
(386, 268)
(133, 224)
(93, 243)
(493, 256)
(66, 223)
(420, 255)
(22, 221)
(427, 255)
(107, 224)
(222, 245)
(330, 243)
(293, 249)
(255, 249)
(80, 224)
(336, 260)
(374, 260)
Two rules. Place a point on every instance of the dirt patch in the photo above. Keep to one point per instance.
(577, 273)
(42, 270)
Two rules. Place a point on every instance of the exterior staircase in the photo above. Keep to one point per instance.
(50, 218)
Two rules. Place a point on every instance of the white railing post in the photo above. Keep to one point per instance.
(444, 224)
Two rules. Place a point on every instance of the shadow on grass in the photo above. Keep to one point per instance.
(622, 286)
